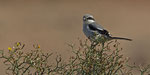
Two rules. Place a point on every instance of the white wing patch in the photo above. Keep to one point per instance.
(100, 28)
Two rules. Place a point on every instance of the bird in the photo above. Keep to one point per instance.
(94, 31)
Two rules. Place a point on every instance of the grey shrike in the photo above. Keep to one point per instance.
(92, 30)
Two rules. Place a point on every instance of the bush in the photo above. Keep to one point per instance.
(35, 62)
(96, 59)
(88, 59)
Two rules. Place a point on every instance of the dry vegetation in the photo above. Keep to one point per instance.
(88, 59)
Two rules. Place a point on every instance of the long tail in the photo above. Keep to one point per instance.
(121, 38)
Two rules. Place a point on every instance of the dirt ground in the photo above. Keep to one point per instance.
(54, 23)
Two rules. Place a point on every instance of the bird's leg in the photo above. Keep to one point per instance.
(103, 43)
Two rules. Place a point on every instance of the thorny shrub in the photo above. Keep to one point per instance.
(88, 59)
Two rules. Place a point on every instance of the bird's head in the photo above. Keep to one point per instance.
(87, 18)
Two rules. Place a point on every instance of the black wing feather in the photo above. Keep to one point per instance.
(92, 27)
(103, 32)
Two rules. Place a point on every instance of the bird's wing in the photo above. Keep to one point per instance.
(99, 29)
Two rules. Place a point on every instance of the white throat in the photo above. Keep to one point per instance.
(90, 21)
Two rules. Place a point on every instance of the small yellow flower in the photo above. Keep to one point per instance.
(9, 48)
(39, 46)
(18, 43)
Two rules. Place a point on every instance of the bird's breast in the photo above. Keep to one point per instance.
(87, 31)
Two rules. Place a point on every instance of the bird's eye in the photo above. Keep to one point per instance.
(84, 19)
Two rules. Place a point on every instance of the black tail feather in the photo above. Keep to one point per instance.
(121, 38)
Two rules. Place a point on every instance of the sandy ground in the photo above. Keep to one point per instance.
(54, 23)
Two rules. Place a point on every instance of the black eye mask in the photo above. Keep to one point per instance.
(90, 18)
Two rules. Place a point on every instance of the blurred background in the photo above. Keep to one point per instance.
(55, 23)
